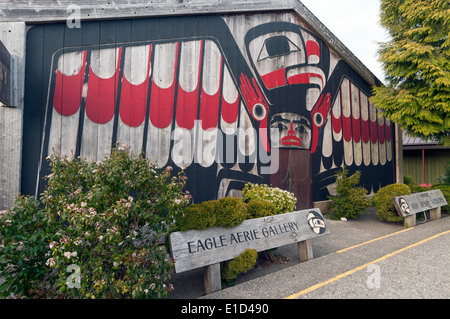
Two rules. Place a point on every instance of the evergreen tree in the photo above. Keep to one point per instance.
(416, 62)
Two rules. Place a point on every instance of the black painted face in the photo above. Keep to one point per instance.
(292, 66)
(294, 130)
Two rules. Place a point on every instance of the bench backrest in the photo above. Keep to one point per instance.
(418, 202)
(193, 249)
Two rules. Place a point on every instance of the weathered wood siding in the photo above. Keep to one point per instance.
(12, 35)
(436, 161)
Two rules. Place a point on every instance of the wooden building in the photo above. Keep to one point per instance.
(229, 91)
(424, 161)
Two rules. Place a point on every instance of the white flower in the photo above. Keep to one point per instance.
(68, 254)
(50, 262)
(65, 240)
(53, 244)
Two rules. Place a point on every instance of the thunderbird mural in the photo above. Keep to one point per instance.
(228, 99)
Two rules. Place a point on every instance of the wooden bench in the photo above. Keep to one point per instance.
(409, 205)
(207, 248)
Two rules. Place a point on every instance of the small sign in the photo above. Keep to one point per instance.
(415, 203)
(5, 76)
(195, 248)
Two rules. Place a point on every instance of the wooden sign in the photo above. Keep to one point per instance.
(195, 248)
(412, 204)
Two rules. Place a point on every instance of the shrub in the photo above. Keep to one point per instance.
(382, 200)
(408, 180)
(260, 208)
(225, 212)
(26, 235)
(230, 212)
(104, 218)
(240, 264)
(197, 216)
(351, 199)
(284, 201)
(418, 188)
(445, 179)
(445, 189)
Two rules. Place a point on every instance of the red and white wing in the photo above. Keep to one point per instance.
(66, 102)
(134, 95)
(355, 122)
(101, 98)
(184, 88)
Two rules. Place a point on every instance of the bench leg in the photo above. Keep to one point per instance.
(212, 278)
(305, 250)
(410, 221)
(435, 213)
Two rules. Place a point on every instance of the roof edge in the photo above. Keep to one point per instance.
(51, 11)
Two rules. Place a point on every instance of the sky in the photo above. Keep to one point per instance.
(356, 24)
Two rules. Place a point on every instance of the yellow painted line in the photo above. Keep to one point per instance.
(345, 274)
(371, 241)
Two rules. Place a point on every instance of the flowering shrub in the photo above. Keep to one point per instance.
(101, 218)
(425, 185)
(284, 201)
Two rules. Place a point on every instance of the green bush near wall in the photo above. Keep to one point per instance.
(382, 200)
(260, 208)
(351, 199)
(225, 212)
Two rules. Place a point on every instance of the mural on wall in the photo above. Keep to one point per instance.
(229, 99)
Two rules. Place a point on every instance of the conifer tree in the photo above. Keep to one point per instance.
(416, 61)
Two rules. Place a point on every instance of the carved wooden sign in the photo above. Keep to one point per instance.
(408, 205)
(195, 248)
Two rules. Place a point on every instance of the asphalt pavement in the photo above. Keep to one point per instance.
(359, 259)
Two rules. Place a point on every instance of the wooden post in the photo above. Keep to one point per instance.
(398, 154)
(212, 278)
(410, 221)
(435, 213)
(305, 250)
